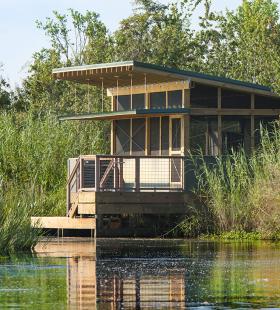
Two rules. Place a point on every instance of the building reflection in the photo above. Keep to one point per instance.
(81, 282)
(91, 284)
(140, 291)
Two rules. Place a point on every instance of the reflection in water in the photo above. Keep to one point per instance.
(81, 282)
(150, 274)
(138, 291)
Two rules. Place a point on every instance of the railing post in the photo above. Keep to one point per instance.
(116, 174)
(183, 173)
(137, 174)
(68, 198)
(81, 182)
(97, 174)
(121, 163)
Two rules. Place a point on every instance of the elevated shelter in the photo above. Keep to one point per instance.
(158, 117)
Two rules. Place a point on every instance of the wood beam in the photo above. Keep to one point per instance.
(140, 89)
(236, 112)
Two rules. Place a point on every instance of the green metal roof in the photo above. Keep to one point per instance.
(167, 72)
(201, 75)
(124, 114)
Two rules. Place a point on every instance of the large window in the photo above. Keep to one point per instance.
(158, 100)
(130, 137)
(175, 99)
(123, 137)
(262, 102)
(235, 100)
(138, 136)
(159, 135)
(204, 96)
(176, 134)
(125, 102)
(155, 135)
(165, 135)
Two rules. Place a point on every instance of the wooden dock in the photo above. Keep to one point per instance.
(86, 206)
(60, 222)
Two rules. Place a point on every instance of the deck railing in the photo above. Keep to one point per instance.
(100, 173)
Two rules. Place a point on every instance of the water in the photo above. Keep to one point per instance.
(143, 274)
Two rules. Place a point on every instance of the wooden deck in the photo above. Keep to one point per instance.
(115, 203)
(60, 222)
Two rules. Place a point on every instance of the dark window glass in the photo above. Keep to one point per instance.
(138, 136)
(176, 134)
(235, 100)
(175, 99)
(158, 100)
(123, 103)
(138, 101)
(165, 135)
(154, 135)
(262, 102)
(123, 137)
(203, 96)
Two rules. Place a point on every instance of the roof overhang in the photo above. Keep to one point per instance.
(138, 113)
(124, 74)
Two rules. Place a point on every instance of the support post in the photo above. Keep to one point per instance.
(186, 122)
(81, 173)
(113, 137)
(220, 138)
(252, 131)
(137, 174)
(147, 144)
(97, 173)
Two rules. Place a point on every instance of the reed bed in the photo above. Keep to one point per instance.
(33, 167)
(242, 193)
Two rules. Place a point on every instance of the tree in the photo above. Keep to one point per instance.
(5, 93)
(78, 38)
(243, 44)
(157, 33)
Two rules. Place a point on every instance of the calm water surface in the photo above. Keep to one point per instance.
(142, 274)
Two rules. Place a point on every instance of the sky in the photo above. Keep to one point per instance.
(19, 37)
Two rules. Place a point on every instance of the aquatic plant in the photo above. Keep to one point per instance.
(33, 166)
(243, 193)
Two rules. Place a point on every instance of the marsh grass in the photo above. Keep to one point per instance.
(243, 192)
(33, 165)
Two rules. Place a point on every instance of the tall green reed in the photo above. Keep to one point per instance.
(242, 192)
(33, 165)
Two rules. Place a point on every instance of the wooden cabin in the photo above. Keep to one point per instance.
(158, 116)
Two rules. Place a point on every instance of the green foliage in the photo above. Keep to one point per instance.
(16, 233)
(242, 193)
(242, 44)
(33, 162)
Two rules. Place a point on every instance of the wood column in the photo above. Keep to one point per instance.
(220, 137)
(186, 122)
(113, 127)
(97, 173)
(252, 131)
(147, 138)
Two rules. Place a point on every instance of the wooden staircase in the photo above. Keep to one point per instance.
(81, 215)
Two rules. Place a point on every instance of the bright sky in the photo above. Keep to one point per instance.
(20, 38)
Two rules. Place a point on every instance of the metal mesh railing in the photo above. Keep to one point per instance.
(128, 173)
